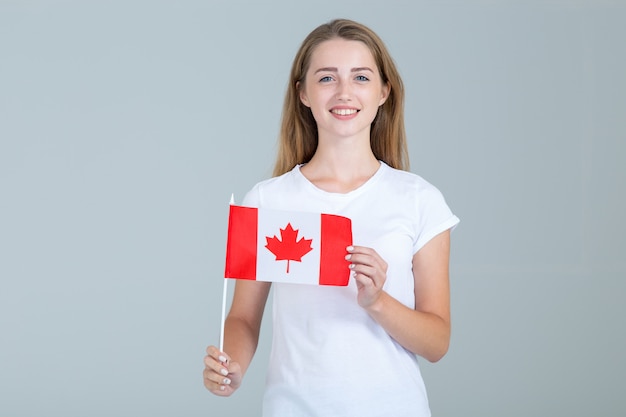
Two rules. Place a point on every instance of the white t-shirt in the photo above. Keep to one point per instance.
(329, 357)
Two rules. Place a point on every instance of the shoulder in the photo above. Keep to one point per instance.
(415, 196)
(408, 183)
(275, 186)
(421, 202)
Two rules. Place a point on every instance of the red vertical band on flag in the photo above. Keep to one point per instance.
(336, 235)
(241, 244)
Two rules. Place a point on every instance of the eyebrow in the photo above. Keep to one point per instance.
(334, 69)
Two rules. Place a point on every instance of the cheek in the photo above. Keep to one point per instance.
(317, 113)
(317, 101)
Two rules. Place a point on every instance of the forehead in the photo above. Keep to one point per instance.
(341, 52)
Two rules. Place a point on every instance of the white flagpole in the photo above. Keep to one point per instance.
(224, 292)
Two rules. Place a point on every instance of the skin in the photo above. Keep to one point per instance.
(342, 78)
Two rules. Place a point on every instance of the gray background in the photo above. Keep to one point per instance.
(126, 125)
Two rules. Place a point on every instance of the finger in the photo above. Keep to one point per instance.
(220, 376)
(360, 260)
(363, 250)
(363, 281)
(372, 273)
(367, 256)
(217, 384)
(217, 367)
(217, 388)
(215, 353)
(221, 390)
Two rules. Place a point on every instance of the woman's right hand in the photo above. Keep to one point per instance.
(221, 375)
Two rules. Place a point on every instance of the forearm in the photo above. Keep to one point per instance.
(425, 334)
(240, 341)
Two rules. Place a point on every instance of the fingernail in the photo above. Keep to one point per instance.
(222, 388)
(351, 266)
(348, 257)
(222, 359)
(226, 381)
(224, 371)
(350, 248)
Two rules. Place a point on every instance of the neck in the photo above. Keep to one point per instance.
(341, 165)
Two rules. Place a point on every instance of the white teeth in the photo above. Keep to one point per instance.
(344, 112)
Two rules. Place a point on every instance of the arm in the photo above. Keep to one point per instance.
(223, 371)
(424, 330)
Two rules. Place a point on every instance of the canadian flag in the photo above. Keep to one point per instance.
(287, 246)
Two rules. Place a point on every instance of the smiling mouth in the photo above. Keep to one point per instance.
(344, 112)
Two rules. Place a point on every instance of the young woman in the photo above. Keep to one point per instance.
(347, 351)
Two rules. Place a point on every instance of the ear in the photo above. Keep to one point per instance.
(303, 98)
(384, 93)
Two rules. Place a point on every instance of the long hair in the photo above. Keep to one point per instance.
(298, 133)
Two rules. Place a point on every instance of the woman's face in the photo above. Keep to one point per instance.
(343, 88)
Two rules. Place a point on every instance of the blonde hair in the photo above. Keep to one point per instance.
(298, 133)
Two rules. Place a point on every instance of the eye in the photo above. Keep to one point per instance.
(326, 79)
(362, 78)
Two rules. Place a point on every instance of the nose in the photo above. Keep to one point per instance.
(344, 91)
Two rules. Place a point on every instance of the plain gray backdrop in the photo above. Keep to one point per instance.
(126, 125)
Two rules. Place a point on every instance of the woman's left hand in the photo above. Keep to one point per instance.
(370, 273)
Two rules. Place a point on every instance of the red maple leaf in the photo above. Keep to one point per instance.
(288, 249)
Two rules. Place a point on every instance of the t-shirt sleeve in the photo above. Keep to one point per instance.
(434, 216)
